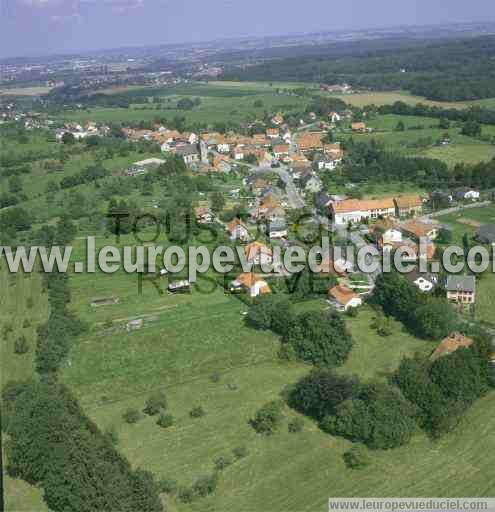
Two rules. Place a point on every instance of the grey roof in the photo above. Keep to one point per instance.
(486, 233)
(464, 283)
(188, 149)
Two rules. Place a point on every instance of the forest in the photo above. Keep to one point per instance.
(441, 70)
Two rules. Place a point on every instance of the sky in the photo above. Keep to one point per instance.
(37, 27)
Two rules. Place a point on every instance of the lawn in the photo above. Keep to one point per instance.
(462, 153)
(363, 99)
(465, 221)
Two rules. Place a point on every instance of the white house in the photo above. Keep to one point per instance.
(344, 298)
(425, 282)
(251, 283)
(468, 195)
(354, 210)
(223, 147)
(238, 231)
(334, 117)
(258, 254)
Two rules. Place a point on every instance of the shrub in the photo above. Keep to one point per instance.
(215, 377)
(185, 494)
(357, 457)
(132, 416)
(165, 420)
(268, 418)
(29, 302)
(222, 462)
(240, 452)
(197, 412)
(205, 485)
(167, 485)
(26, 323)
(296, 425)
(21, 345)
(155, 403)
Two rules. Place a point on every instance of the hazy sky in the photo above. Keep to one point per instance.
(51, 26)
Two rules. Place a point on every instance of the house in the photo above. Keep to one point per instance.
(327, 162)
(189, 153)
(344, 298)
(221, 163)
(277, 229)
(179, 287)
(410, 251)
(329, 267)
(486, 234)
(238, 230)
(239, 152)
(358, 127)
(281, 150)
(258, 185)
(252, 283)
(461, 289)
(451, 344)
(424, 281)
(310, 141)
(272, 133)
(467, 194)
(386, 232)
(355, 210)
(204, 215)
(408, 206)
(278, 119)
(258, 254)
(418, 229)
(334, 117)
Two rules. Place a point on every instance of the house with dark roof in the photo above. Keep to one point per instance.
(461, 289)
(486, 234)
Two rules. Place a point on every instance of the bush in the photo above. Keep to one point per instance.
(29, 302)
(185, 494)
(155, 403)
(132, 416)
(296, 425)
(205, 485)
(357, 457)
(26, 323)
(21, 346)
(240, 452)
(197, 412)
(165, 420)
(215, 377)
(167, 485)
(222, 462)
(268, 418)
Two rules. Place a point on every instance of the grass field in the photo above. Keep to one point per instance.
(24, 91)
(378, 98)
(465, 221)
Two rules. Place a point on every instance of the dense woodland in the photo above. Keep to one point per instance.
(443, 71)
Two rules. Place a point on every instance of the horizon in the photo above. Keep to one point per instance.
(43, 28)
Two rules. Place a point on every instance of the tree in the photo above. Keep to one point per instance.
(320, 338)
(156, 403)
(319, 393)
(270, 312)
(185, 104)
(132, 416)
(268, 418)
(217, 202)
(400, 127)
(435, 320)
(165, 420)
(21, 345)
(471, 129)
(68, 138)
